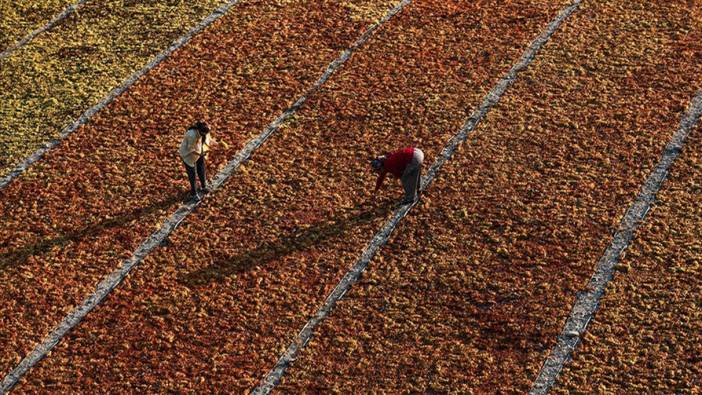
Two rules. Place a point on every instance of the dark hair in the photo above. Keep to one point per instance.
(201, 127)
(377, 163)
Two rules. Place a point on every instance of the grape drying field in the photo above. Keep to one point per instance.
(557, 246)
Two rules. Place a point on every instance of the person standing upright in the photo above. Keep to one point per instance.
(193, 151)
(405, 164)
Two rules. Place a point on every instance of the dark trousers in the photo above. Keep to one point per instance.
(200, 165)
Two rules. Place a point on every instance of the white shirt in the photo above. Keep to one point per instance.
(192, 148)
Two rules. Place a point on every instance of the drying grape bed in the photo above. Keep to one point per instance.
(88, 203)
(475, 284)
(474, 287)
(19, 18)
(215, 308)
(647, 335)
(48, 83)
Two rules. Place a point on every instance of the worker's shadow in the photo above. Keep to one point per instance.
(297, 241)
(17, 257)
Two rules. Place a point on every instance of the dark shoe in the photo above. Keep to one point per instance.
(408, 201)
(194, 197)
(205, 190)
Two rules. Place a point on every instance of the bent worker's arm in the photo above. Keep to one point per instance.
(379, 181)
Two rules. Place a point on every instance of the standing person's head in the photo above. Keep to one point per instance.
(202, 128)
(377, 163)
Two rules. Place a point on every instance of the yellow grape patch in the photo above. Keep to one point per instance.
(49, 83)
(19, 18)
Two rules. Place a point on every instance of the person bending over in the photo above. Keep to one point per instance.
(405, 164)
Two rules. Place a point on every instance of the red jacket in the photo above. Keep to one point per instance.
(395, 164)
